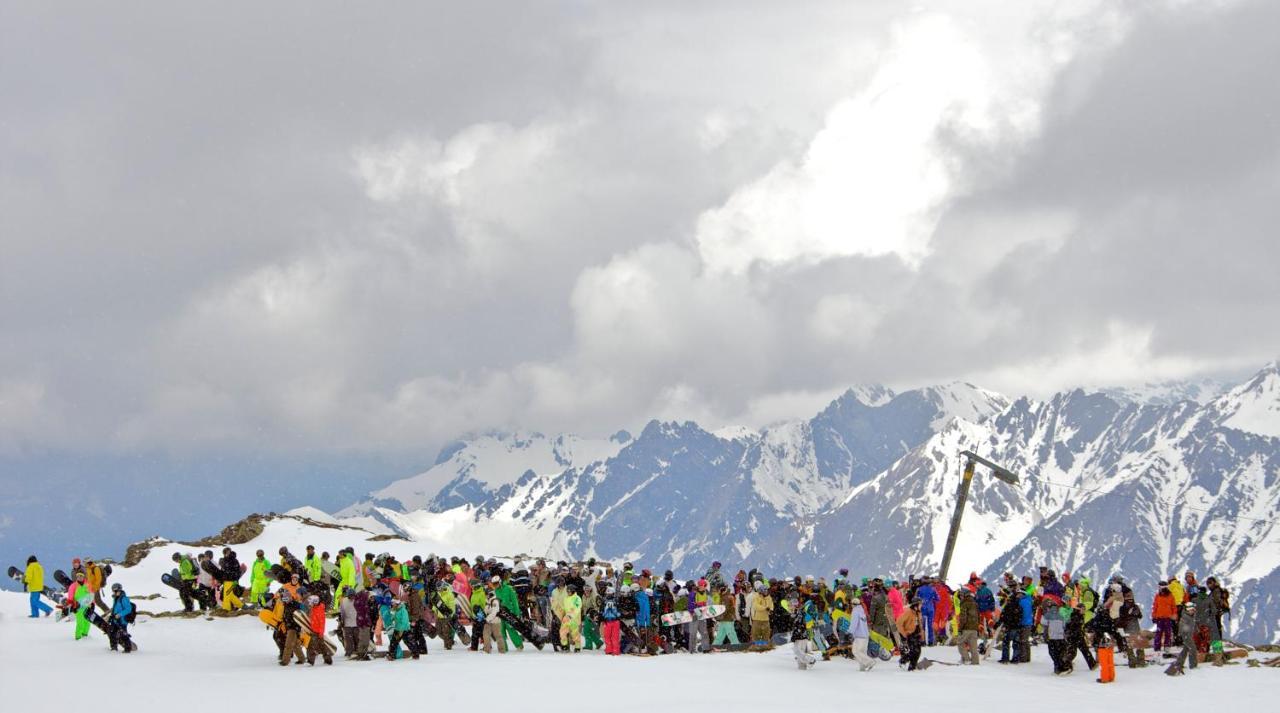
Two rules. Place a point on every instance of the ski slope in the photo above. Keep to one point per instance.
(181, 660)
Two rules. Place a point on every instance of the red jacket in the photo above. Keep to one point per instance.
(317, 618)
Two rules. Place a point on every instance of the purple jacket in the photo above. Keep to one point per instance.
(361, 600)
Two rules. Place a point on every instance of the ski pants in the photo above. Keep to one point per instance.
(760, 632)
(725, 633)
(571, 633)
(1058, 654)
(416, 639)
(860, 654)
(230, 602)
(38, 607)
(801, 650)
(186, 591)
(591, 635)
(1188, 653)
(1164, 633)
(967, 645)
(1024, 644)
(82, 624)
(292, 647)
(1010, 642)
(393, 646)
(316, 648)
(911, 651)
(256, 592)
(926, 622)
(697, 632)
(491, 633)
(509, 633)
(612, 637)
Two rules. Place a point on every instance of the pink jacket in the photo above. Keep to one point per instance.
(461, 585)
(895, 602)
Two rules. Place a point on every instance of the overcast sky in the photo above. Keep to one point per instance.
(296, 226)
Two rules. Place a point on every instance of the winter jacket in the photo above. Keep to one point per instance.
(121, 608)
(33, 578)
(492, 608)
(928, 596)
(230, 566)
(967, 619)
(258, 577)
(858, 623)
(1179, 594)
(572, 612)
(609, 608)
(642, 607)
(93, 577)
(507, 596)
(399, 619)
(909, 622)
(317, 617)
(761, 607)
(1011, 614)
(1163, 607)
(347, 570)
(1055, 626)
(186, 569)
(1028, 610)
(896, 605)
(985, 599)
(478, 600)
(314, 571)
(348, 617)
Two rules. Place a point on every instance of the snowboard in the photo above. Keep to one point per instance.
(61, 578)
(173, 579)
(710, 611)
(305, 624)
(330, 571)
(523, 628)
(93, 617)
(16, 575)
(882, 644)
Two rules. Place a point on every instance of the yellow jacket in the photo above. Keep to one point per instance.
(1179, 594)
(34, 577)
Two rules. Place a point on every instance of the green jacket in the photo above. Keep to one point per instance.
(347, 571)
(186, 569)
(258, 578)
(312, 563)
(507, 595)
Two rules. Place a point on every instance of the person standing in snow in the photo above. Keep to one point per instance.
(860, 633)
(1186, 633)
(33, 581)
(610, 625)
(492, 631)
(287, 606)
(79, 598)
(801, 641)
(122, 614)
(908, 626)
(571, 619)
(968, 621)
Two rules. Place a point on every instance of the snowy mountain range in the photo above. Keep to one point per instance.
(1145, 482)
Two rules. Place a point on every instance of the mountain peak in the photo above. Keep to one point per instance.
(1253, 406)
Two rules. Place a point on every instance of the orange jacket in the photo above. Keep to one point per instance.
(1164, 607)
(908, 622)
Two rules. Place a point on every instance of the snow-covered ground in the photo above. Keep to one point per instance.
(195, 665)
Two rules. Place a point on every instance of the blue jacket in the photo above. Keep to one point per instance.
(122, 608)
(642, 608)
(928, 597)
(986, 600)
(1028, 615)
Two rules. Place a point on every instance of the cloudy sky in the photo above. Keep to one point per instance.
(302, 229)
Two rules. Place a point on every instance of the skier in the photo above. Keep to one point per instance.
(122, 614)
(33, 580)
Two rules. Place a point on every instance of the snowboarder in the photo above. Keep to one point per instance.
(33, 580)
(908, 626)
(123, 612)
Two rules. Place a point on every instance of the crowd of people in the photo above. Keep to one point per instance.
(382, 607)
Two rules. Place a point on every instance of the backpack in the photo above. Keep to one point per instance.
(133, 613)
